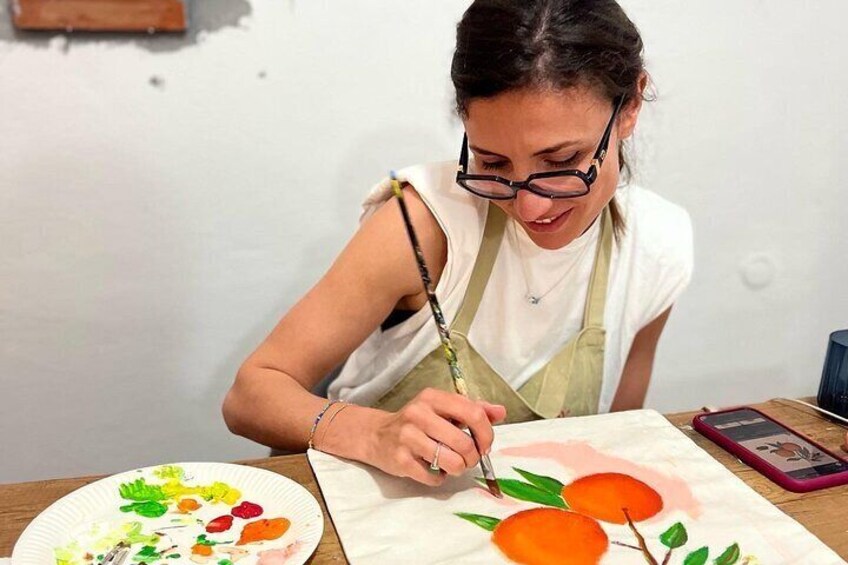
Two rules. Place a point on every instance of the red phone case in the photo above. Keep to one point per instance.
(763, 466)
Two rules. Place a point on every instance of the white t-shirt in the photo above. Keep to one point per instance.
(651, 265)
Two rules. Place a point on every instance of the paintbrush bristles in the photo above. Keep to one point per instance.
(494, 488)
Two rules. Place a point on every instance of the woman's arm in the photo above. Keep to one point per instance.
(640, 362)
(270, 400)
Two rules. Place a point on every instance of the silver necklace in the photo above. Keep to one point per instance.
(531, 297)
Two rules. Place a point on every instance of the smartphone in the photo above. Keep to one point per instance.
(783, 455)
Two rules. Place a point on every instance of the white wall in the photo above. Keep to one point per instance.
(151, 235)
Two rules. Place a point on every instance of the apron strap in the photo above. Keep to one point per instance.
(579, 372)
(486, 255)
(593, 314)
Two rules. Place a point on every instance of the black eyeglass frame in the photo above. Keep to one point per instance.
(589, 177)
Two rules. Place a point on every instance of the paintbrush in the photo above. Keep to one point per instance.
(444, 333)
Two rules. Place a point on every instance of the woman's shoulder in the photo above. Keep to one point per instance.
(459, 214)
(658, 228)
(658, 244)
(435, 182)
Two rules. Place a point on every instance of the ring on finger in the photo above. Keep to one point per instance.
(434, 466)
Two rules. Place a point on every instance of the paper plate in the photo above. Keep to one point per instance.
(93, 510)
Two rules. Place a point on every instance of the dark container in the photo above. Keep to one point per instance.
(833, 390)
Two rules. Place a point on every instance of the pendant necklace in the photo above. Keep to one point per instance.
(531, 297)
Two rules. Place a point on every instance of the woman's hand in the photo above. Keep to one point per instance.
(403, 443)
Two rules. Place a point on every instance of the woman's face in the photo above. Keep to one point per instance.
(526, 131)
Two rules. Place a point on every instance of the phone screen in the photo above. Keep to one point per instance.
(775, 444)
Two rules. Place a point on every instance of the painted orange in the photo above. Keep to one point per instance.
(604, 496)
(263, 530)
(542, 536)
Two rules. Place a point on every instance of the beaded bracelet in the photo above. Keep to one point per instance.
(330, 422)
(318, 420)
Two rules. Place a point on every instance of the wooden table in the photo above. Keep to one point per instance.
(821, 512)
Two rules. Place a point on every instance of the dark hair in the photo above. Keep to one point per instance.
(503, 45)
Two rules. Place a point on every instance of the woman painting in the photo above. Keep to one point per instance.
(556, 274)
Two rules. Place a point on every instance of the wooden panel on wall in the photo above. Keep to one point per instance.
(101, 15)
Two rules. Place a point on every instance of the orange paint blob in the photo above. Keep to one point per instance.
(604, 496)
(202, 549)
(263, 530)
(542, 536)
(187, 505)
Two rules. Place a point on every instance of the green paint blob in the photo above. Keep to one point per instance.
(170, 472)
(149, 509)
(203, 540)
(147, 553)
(134, 535)
(140, 491)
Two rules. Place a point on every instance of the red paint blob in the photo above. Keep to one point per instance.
(246, 510)
(220, 524)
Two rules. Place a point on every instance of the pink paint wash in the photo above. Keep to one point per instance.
(583, 459)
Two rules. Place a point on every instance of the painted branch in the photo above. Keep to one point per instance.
(642, 545)
(627, 545)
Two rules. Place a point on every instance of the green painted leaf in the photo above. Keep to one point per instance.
(697, 557)
(140, 491)
(485, 522)
(528, 492)
(549, 484)
(675, 536)
(149, 509)
(730, 555)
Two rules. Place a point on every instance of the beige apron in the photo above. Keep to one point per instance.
(569, 385)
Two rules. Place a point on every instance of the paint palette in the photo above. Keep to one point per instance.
(215, 513)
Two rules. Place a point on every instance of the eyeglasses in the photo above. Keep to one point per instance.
(569, 183)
